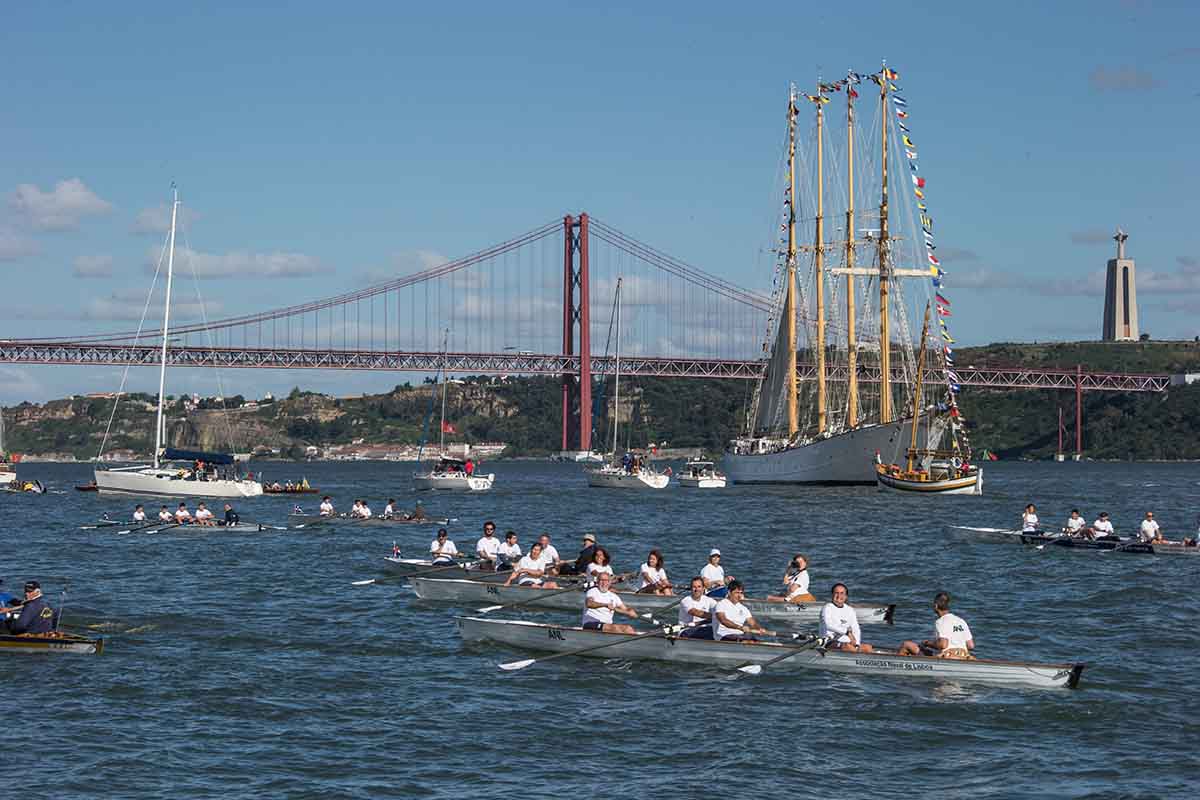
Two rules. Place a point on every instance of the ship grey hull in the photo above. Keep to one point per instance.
(843, 459)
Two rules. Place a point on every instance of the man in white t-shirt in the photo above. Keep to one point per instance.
(442, 549)
(1029, 520)
(164, 515)
(731, 620)
(1150, 531)
(203, 515)
(1102, 527)
(716, 582)
(139, 513)
(510, 551)
(550, 558)
(1075, 523)
(182, 515)
(488, 546)
(599, 604)
(839, 622)
(951, 635)
(326, 507)
(531, 571)
(695, 612)
(389, 510)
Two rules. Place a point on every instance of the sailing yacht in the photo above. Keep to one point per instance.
(8, 475)
(629, 472)
(449, 474)
(837, 446)
(176, 473)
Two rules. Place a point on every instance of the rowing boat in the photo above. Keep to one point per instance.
(237, 527)
(456, 590)
(990, 535)
(57, 642)
(310, 520)
(403, 567)
(560, 639)
(1113, 544)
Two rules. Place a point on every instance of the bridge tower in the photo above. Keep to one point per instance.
(576, 388)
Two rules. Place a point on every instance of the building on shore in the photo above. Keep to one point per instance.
(1120, 296)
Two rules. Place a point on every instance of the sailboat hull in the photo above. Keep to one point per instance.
(619, 479)
(7, 477)
(453, 481)
(152, 482)
(842, 459)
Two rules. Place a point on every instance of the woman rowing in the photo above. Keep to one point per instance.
(951, 634)
(1029, 520)
(1075, 523)
(654, 575)
(139, 513)
(715, 579)
(442, 549)
(695, 612)
(531, 571)
(601, 565)
(599, 604)
(795, 583)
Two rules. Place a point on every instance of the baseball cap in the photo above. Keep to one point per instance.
(714, 552)
(587, 537)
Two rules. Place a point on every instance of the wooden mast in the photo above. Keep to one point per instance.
(851, 334)
(885, 355)
(819, 288)
(916, 409)
(789, 305)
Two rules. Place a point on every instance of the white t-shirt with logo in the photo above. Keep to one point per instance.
(840, 622)
(488, 546)
(734, 612)
(1149, 529)
(445, 548)
(705, 603)
(652, 576)
(595, 569)
(713, 573)
(797, 584)
(954, 630)
(1029, 523)
(1075, 524)
(528, 563)
(608, 600)
(1102, 527)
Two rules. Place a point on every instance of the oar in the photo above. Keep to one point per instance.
(262, 526)
(529, 662)
(756, 669)
(115, 524)
(462, 565)
(161, 525)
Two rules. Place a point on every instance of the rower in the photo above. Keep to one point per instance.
(1029, 520)
(599, 604)
(231, 516)
(418, 512)
(203, 515)
(695, 612)
(442, 549)
(586, 555)
(510, 551)
(139, 513)
(164, 515)
(654, 575)
(716, 582)
(549, 554)
(601, 565)
(182, 515)
(531, 571)
(839, 621)
(364, 510)
(36, 614)
(389, 510)
(488, 546)
(795, 582)
(1150, 532)
(731, 620)
(326, 507)
(1075, 523)
(1101, 528)
(951, 634)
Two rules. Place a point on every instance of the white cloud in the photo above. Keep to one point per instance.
(59, 209)
(408, 262)
(93, 267)
(126, 305)
(157, 219)
(17, 386)
(240, 264)
(14, 245)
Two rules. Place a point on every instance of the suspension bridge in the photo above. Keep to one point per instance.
(537, 304)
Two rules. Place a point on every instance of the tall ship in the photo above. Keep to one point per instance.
(841, 359)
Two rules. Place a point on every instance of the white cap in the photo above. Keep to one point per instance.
(714, 552)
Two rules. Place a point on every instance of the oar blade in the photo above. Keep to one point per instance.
(751, 669)
(488, 609)
(367, 582)
(512, 666)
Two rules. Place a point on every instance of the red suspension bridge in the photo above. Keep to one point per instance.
(537, 304)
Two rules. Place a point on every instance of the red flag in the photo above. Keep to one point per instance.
(447, 427)
(851, 92)
(941, 299)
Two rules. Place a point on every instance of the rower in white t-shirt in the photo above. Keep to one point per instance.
(599, 604)
(695, 612)
(951, 635)
(1029, 520)
(1149, 531)
(203, 515)
(182, 515)
(731, 620)
(654, 575)
(715, 580)
(139, 513)
(389, 510)
(1102, 527)
(531, 571)
(839, 621)
(488, 546)
(326, 507)
(549, 554)
(510, 551)
(164, 515)
(442, 549)
(1075, 523)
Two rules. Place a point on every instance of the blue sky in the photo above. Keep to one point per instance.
(320, 146)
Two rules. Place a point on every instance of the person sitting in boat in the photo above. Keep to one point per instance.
(139, 513)
(840, 623)
(231, 516)
(164, 515)
(1150, 533)
(951, 634)
(1101, 528)
(442, 549)
(361, 510)
(1029, 520)
(510, 551)
(586, 554)
(488, 547)
(1075, 523)
(695, 612)
(715, 579)
(389, 511)
(732, 621)
(326, 507)
(599, 603)
(203, 515)
(795, 583)
(601, 565)
(418, 512)
(531, 571)
(550, 559)
(182, 515)
(654, 575)
(36, 614)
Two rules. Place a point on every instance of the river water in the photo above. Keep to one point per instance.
(247, 665)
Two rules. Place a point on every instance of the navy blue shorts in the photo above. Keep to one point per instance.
(697, 632)
(719, 593)
(591, 625)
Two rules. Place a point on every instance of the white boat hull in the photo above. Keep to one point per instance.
(452, 482)
(7, 477)
(710, 482)
(150, 482)
(619, 479)
(731, 655)
(844, 458)
(971, 484)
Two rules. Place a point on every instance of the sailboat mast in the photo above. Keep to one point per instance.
(442, 427)
(885, 345)
(916, 409)
(851, 323)
(162, 370)
(822, 415)
(789, 304)
(617, 378)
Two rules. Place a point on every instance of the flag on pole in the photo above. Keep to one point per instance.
(919, 193)
(903, 127)
(941, 309)
(447, 427)
(902, 114)
(920, 182)
(898, 100)
(941, 299)
(891, 74)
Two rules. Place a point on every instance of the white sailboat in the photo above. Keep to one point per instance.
(450, 474)
(626, 473)
(176, 473)
(828, 451)
(8, 475)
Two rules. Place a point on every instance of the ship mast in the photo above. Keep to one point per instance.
(916, 410)
(885, 355)
(851, 334)
(789, 304)
(160, 423)
(822, 420)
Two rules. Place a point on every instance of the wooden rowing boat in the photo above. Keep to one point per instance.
(57, 642)
(456, 590)
(561, 639)
(1112, 544)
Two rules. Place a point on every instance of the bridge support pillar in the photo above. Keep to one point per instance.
(576, 388)
(1078, 412)
(568, 328)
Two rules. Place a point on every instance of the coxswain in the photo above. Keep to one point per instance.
(418, 512)
(1102, 527)
(599, 604)
(715, 579)
(731, 620)
(549, 554)
(488, 546)
(1150, 532)
(164, 515)
(389, 510)
(586, 554)
(1029, 520)
(510, 551)
(951, 634)
(442, 549)
(36, 614)
(695, 612)
(1075, 523)
(139, 513)
(601, 565)
(795, 582)
(231, 516)
(839, 622)
(654, 575)
(531, 571)
(182, 515)
(203, 515)
(326, 507)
